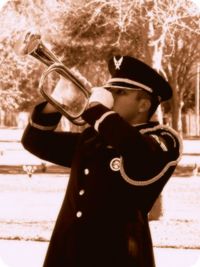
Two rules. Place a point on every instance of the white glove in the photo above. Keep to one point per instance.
(102, 96)
(66, 92)
(60, 91)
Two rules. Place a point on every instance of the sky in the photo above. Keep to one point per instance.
(197, 2)
(2, 2)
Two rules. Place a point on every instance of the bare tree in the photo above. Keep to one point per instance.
(85, 33)
(20, 75)
(181, 72)
(145, 29)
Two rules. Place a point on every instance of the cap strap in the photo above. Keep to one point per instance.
(128, 81)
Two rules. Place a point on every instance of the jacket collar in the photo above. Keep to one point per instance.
(149, 124)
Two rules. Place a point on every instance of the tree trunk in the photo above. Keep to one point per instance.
(176, 112)
(154, 54)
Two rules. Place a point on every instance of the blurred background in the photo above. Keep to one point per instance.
(84, 34)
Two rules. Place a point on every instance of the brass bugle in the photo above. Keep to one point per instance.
(33, 45)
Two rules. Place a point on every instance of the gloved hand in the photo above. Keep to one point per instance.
(102, 96)
(60, 91)
(66, 92)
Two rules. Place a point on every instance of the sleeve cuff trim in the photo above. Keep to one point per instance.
(42, 127)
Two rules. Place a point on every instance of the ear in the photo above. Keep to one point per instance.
(144, 105)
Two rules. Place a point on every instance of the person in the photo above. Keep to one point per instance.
(119, 166)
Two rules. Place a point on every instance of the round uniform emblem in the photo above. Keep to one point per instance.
(115, 164)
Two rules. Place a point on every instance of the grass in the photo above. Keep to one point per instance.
(179, 226)
(29, 207)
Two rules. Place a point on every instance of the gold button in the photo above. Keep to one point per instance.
(115, 164)
(86, 171)
(79, 214)
(81, 192)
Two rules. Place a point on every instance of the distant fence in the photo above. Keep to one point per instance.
(13, 119)
(189, 125)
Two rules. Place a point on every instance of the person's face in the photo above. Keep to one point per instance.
(128, 105)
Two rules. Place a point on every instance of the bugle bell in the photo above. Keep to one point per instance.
(78, 89)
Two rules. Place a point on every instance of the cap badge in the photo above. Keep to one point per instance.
(118, 63)
(115, 164)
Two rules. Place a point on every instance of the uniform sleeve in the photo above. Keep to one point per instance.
(145, 155)
(41, 139)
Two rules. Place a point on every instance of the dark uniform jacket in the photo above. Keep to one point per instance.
(117, 173)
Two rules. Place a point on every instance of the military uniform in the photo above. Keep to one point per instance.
(117, 172)
(116, 176)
